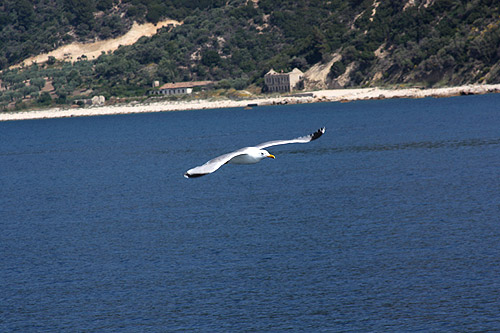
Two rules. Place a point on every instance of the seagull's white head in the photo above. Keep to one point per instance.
(257, 154)
(264, 153)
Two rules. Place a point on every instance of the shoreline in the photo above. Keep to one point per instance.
(335, 95)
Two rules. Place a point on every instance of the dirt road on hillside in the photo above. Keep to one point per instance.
(73, 51)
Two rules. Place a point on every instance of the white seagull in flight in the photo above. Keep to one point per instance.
(247, 155)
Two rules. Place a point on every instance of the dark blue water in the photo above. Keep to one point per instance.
(389, 222)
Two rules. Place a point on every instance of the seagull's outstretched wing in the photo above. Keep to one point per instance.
(219, 161)
(302, 139)
(212, 165)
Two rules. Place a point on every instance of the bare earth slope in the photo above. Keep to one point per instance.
(72, 52)
(316, 75)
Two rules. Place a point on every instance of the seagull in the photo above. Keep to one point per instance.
(247, 155)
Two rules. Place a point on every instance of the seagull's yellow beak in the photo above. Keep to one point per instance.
(271, 156)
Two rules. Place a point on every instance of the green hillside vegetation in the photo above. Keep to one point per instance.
(430, 43)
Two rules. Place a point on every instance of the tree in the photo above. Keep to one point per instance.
(51, 60)
(337, 69)
(104, 4)
(316, 47)
(166, 70)
(155, 12)
(29, 90)
(44, 99)
(38, 82)
(210, 58)
(3, 62)
(25, 13)
(82, 12)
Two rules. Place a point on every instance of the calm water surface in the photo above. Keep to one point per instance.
(389, 222)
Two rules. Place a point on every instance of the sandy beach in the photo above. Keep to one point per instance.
(342, 95)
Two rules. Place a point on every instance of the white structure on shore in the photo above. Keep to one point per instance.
(179, 88)
(282, 82)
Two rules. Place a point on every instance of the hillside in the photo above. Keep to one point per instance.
(78, 50)
(338, 43)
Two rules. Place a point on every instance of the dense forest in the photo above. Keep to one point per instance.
(412, 42)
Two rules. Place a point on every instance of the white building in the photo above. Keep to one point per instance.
(179, 88)
(282, 82)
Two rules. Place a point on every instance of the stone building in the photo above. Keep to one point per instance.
(282, 82)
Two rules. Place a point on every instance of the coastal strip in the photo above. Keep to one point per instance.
(336, 95)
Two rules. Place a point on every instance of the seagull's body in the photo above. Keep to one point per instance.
(247, 155)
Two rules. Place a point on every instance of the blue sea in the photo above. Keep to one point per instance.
(389, 222)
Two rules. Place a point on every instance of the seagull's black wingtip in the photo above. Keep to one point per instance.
(318, 133)
(194, 175)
